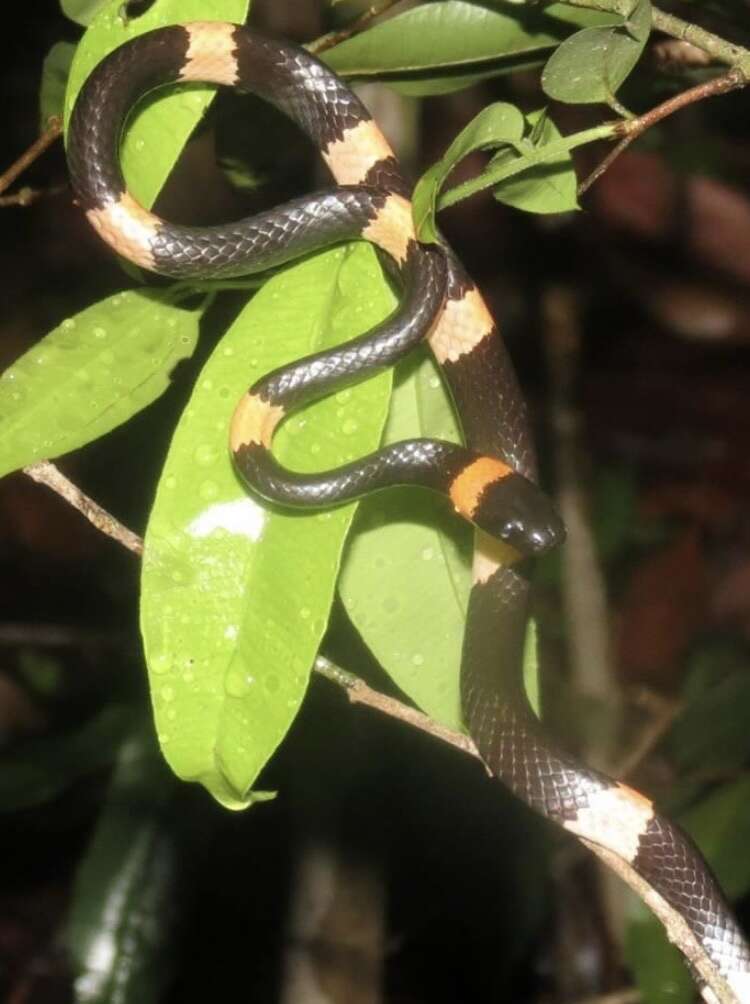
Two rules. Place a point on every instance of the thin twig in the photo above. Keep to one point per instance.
(37, 148)
(16, 634)
(633, 128)
(359, 693)
(714, 987)
(26, 196)
(47, 474)
(676, 927)
(335, 37)
(717, 47)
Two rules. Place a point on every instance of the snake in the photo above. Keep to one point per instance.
(490, 480)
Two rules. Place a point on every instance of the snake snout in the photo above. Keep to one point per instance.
(521, 515)
(543, 537)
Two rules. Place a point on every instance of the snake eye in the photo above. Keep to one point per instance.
(521, 515)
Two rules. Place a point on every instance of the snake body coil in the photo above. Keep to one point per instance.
(490, 482)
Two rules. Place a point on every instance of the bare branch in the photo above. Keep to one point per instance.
(335, 37)
(26, 196)
(47, 474)
(631, 129)
(37, 148)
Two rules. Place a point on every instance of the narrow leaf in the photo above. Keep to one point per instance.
(91, 374)
(236, 595)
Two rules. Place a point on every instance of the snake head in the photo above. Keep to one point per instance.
(516, 511)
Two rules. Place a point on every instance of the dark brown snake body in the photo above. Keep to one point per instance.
(491, 481)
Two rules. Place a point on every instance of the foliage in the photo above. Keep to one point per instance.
(236, 596)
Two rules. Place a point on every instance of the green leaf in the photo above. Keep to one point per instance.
(236, 595)
(158, 131)
(41, 769)
(657, 967)
(591, 65)
(91, 374)
(465, 41)
(407, 573)
(406, 578)
(499, 124)
(549, 187)
(123, 919)
(55, 70)
(82, 11)
(533, 169)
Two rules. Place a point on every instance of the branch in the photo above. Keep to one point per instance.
(359, 693)
(631, 129)
(26, 196)
(335, 37)
(47, 474)
(37, 148)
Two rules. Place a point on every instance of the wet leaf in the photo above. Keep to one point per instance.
(236, 595)
(89, 375)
